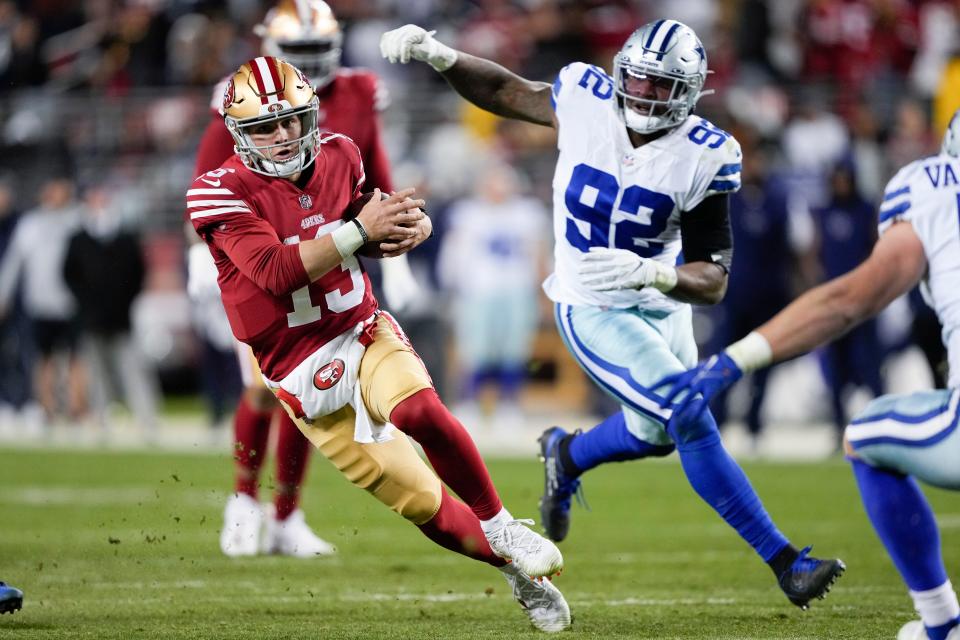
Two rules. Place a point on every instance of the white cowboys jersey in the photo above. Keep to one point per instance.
(608, 194)
(926, 193)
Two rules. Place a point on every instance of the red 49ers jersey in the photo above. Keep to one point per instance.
(349, 104)
(252, 224)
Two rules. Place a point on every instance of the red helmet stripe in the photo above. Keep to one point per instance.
(274, 64)
(258, 79)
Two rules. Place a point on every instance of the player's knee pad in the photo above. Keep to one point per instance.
(391, 471)
(691, 432)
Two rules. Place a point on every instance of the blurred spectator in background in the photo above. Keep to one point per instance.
(760, 277)
(20, 63)
(871, 166)
(846, 232)
(491, 261)
(813, 140)
(910, 135)
(15, 340)
(36, 254)
(219, 373)
(104, 269)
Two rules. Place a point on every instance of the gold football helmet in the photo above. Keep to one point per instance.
(269, 90)
(305, 34)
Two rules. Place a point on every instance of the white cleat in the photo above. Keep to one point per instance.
(532, 553)
(292, 537)
(541, 601)
(242, 519)
(914, 630)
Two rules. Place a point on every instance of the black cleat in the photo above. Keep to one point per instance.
(558, 487)
(11, 598)
(809, 578)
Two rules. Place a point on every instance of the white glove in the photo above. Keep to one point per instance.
(400, 287)
(201, 274)
(605, 269)
(413, 42)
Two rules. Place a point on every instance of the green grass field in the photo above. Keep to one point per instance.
(124, 545)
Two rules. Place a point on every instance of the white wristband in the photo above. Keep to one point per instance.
(665, 279)
(751, 353)
(347, 239)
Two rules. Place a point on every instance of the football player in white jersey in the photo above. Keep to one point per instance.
(896, 437)
(641, 228)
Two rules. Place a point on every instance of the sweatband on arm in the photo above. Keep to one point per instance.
(348, 238)
(751, 353)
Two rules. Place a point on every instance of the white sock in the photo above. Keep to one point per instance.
(497, 521)
(936, 606)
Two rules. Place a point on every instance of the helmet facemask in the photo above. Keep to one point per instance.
(650, 100)
(262, 158)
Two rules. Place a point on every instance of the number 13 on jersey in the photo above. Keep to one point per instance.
(304, 311)
(591, 197)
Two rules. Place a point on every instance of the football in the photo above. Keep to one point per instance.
(369, 249)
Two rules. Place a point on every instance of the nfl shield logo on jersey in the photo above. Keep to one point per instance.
(305, 201)
(329, 375)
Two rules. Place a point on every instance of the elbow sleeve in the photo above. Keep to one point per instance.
(706, 233)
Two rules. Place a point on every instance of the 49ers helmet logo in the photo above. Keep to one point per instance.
(229, 93)
(329, 374)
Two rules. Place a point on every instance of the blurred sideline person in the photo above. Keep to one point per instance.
(846, 234)
(11, 598)
(220, 371)
(896, 437)
(36, 254)
(306, 34)
(759, 221)
(294, 291)
(490, 260)
(104, 269)
(639, 179)
(15, 345)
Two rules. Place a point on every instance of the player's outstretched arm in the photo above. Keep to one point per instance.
(379, 220)
(826, 312)
(818, 316)
(484, 83)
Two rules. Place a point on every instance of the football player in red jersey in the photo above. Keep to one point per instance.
(273, 219)
(306, 34)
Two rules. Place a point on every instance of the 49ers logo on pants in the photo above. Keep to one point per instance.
(329, 375)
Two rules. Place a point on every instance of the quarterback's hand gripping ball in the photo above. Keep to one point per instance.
(404, 221)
